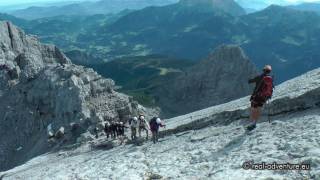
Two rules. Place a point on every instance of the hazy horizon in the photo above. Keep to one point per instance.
(260, 4)
(25, 2)
(19, 2)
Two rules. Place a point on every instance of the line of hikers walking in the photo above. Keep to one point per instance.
(136, 124)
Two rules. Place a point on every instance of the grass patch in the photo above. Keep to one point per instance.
(142, 97)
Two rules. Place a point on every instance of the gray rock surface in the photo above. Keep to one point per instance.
(207, 144)
(220, 78)
(42, 92)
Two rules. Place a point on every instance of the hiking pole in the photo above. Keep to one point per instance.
(268, 111)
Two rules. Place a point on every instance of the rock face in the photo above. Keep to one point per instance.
(41, 89)
(222, 77)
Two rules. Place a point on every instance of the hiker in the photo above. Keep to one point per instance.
(121, 135)
(261, 94)
(108, 130)
(121, 128)
(155, 123)
(4, 67)
(133, 122)
(143, 126)
(113, 127)
(96, 132)
(118, 129)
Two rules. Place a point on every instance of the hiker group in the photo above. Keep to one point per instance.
(137, 125)
(114, 129)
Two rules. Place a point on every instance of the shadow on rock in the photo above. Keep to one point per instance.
(107, 145)
(137, 142)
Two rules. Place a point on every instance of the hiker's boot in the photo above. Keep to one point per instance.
(251, 127)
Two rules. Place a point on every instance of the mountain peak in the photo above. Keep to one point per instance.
(228, 6)
(205, 84)
(228, 52)
(284, 11)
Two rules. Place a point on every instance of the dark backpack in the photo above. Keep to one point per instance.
(153, 122)
(266, 89)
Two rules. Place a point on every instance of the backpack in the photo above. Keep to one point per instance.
(153, 122)
(266, 89)
(142, 122)
(133, 122)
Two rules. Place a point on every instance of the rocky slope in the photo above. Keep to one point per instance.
(208, 144)
(220, 78)
(41, 91)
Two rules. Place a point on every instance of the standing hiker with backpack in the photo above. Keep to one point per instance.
(143, 126)
(155, 123)
(261, 94)
(121, 129)
(113, 128)
(108, 130)
(133, 122)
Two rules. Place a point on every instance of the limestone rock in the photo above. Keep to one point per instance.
(41, 91)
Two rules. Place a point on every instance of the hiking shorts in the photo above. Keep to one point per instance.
(142, 128)
(257, 101)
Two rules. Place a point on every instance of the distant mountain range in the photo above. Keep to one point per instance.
(257, 5)
(187, 30)
(284, 37)
(314, 7)
(280, 36)
(64, 31)
(10, 7)
(87, 8)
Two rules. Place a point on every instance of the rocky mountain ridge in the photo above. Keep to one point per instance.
(41, 91)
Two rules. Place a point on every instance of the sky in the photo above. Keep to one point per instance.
(18, 2)
(246, 3)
